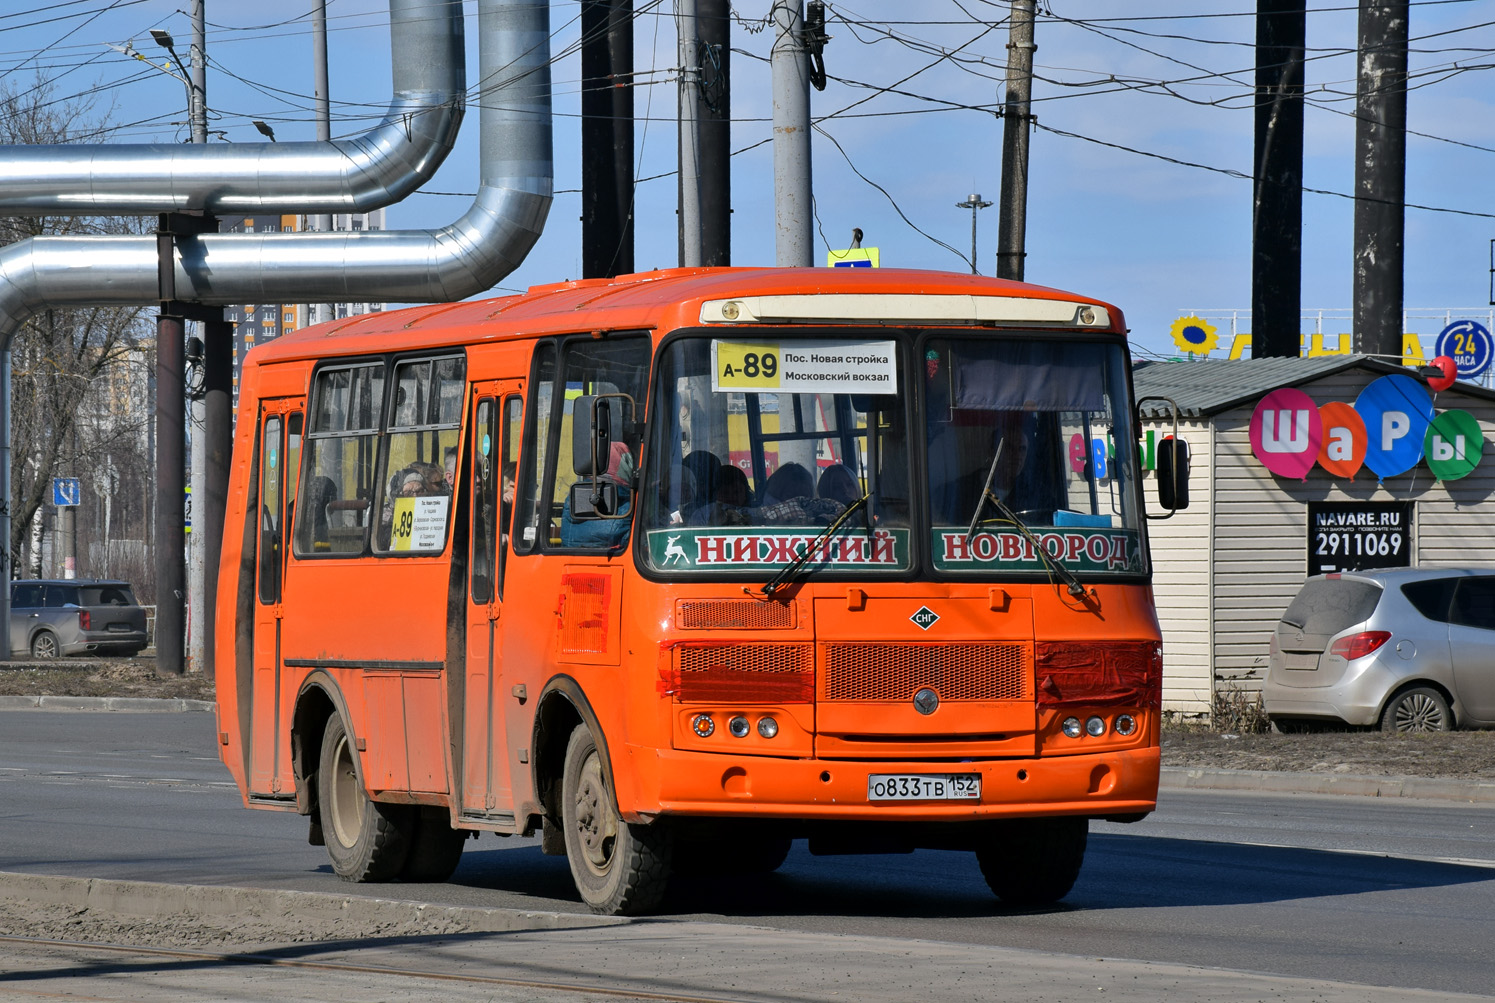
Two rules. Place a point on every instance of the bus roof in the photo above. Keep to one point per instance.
(681, 297)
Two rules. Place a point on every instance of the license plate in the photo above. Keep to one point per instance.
(924, 787)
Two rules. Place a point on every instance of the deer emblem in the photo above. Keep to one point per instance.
(673, 551)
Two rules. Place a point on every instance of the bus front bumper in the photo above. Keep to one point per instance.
(671, 782)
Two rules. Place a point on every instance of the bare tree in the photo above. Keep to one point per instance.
(80, 400)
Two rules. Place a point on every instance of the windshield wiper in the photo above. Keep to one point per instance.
(988, 495)
(790, 572)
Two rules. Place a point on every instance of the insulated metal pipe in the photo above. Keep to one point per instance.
(349, 175)
(450, 263)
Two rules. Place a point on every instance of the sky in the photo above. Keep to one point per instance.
(1144, 126)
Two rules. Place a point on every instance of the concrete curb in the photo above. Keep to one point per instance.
(149, 899)
(153, 705)
(1422, 788)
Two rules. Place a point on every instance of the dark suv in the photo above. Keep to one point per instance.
(75, 616)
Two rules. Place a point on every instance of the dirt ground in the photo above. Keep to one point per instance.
(1468, 755)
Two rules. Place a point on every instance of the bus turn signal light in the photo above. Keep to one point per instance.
(1075, 673)
(702, 725)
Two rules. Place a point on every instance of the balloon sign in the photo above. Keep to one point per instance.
(1286, 433)
(1454, 444)
(1343, 451)
(1396, 411)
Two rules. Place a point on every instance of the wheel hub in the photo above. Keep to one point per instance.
(1418, 713)
(596, 824)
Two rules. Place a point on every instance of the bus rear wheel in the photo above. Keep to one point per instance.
(619, 868)
(367, 840)
(435, 848)
(1033, 861)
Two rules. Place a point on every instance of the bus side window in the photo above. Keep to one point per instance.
(532, 517)
(271, 476)
(421, 446)
(614, 365)
(484, 500)
(340, 453)
(509, 472)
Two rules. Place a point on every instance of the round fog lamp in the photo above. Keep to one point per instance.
(702, 725)
(768, 727)
(1125, 724)
(1071, 727)
(738, 726)
(1095, 727)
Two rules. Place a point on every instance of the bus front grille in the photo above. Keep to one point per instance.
(733, 614)
(982, 671)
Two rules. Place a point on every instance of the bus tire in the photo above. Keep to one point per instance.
(367, 840)
(619, 868)
(435, 850)
(1034, 861)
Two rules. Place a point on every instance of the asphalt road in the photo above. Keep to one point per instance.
(1386, 893)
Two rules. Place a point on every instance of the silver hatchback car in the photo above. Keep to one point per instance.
(1410, 649)
(75, 616)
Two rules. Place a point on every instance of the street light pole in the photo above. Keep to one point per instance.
(973, 203)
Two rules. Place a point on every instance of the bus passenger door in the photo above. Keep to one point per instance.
(492, 449)
(279, 456)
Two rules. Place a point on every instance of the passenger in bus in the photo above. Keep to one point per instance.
(730, 505)
(610, 534)
(449, 467)
(704, 467)
(678, 497)
(789, 500)
(839, 484)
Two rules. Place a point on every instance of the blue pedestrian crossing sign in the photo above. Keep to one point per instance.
(66, 491)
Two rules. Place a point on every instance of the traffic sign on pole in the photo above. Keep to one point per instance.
(66, 491)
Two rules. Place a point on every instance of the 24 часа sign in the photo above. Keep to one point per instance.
(1390, 429)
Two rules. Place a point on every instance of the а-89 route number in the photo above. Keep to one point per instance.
(747, 365)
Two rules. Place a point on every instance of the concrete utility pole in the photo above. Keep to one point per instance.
(198, 567)
(320, 312)
(1380, 176)
(606, 138)
(1277, 204)
(1012, 221)
(690, 135)
(794, 236)
(714, 115)
(973, 203)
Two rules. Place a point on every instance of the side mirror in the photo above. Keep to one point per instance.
(593, 500)
(1173, 474)
(591, 434)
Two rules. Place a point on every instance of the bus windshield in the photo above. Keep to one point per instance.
(1029, 443)
(759, 443)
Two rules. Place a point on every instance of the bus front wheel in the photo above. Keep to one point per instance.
(1033, 861)
(619, 868)
(367, 840)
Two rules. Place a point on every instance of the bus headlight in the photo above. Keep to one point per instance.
(768, 727)
(739, 727)
(1095, 727)
(1071, 727)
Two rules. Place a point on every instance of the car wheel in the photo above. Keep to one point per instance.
(367, 840)
(619, 868)
(44, 645)
(1421, 708)
(1034, 861)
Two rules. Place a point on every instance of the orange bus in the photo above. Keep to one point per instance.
(675, 568)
